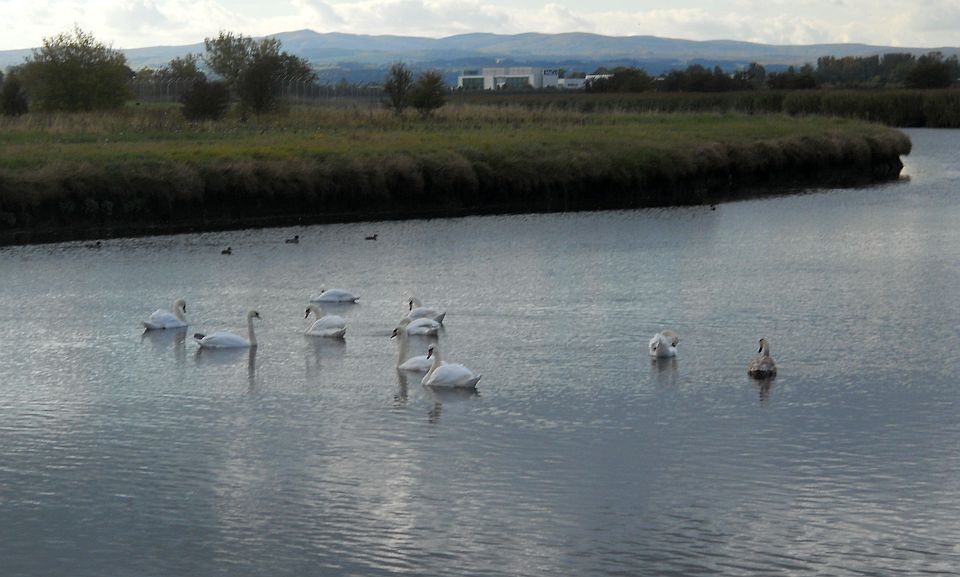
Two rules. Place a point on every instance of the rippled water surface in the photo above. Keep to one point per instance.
(130, 454)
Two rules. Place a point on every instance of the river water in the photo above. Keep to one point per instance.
(131, 454)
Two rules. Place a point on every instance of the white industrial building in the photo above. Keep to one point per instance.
(513, 78)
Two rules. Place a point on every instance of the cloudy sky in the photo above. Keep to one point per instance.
(136, 23)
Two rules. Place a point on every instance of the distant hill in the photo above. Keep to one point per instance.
(358, 57)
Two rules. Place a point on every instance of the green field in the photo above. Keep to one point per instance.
(148, 166)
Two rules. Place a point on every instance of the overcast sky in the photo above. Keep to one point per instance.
(136, 23)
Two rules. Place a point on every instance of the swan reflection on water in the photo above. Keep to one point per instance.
(441, 395)
(403, 390)
(437, 395)
(663, 370)
(324, 350)
(226, 357)
(763, 388)
(163, 341)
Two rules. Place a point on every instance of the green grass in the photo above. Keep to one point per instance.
(151, 167)
(31, 142)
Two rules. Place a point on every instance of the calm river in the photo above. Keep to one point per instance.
(133, 455)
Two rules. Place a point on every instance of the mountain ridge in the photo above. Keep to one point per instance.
(351, 52)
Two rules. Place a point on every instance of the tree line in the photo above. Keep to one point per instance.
(76, 72)
(931, 70)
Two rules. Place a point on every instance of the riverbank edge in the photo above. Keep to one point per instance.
(84, 202)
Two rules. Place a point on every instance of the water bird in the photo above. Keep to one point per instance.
(227, 340)
(294, 240)
(97, 244)
(762, 366)
(334, 296)
(419, 363)
(418, 311)
(332, 326)
(421, 326)
(227, 250)
(664, 344)
(451, 375)
(371, 237)
(164, 319)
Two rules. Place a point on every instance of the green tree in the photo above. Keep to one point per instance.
(428, 93)
(755, 74)
(76, 72)
(255, 70)
(206, 100)
(933, 71)
(397, 85)
(13, 101)
(185, 68)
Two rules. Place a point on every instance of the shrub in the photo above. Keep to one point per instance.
(206, 100)
(75, 72)
(397, 85)
(428, 93)
(13, 101)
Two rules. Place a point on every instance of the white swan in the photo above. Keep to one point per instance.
(326, 325)
(164, 319)
(664, 344)
(443, 374)
(334, 296)
(762, 367)
(421, 326)
(419, 363)
(225, 340)
(418, 311)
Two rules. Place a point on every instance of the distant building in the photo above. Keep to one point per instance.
(514, 78)
(573, 83)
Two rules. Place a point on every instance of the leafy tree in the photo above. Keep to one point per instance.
(428, 93)
(397, 85)
(185, 68)
(206, 100)
(755, 75)
(623, 79)
(793, 79)
(933, 71)
(76, 72)
(254, 69)
(13, 101)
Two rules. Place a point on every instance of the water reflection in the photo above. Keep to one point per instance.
(162, 341)
(321, 350)
(441, 395)
(763, 387)
(663, 370)
(400, 399)
(686, 474)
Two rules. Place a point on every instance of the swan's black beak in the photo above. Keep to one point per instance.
(429, 353)
(760, 350)
(394, 333)
(306, 313)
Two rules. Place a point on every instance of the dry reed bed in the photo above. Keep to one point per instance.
(151, 169)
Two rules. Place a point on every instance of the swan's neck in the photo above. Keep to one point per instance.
(765, 352)
(250, 335)
(317, 311)
(437, 361)
(178, 312)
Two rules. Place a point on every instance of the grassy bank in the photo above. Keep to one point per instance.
(901, 108)
(149, 169)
